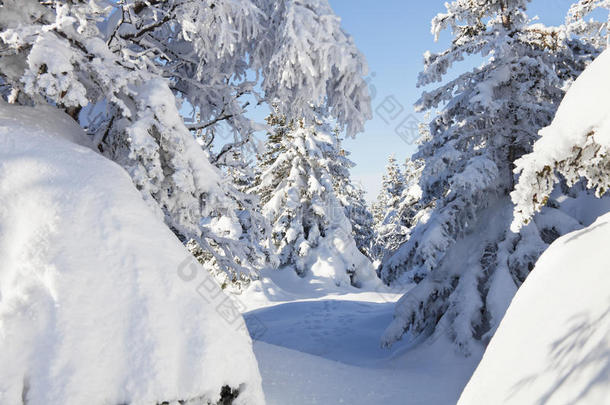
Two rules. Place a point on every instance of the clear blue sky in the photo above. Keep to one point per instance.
(393, 35)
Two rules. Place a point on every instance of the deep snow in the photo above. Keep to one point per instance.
(553, 345)
(317, 343)
(99, 302)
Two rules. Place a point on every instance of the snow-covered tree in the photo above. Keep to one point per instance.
(580, 23)
(295, 184)
(410, 210)
(99, 302)
(402, 211)
(393, 183)
(378, 209)
(578, 156)
(466, 261)
(126, 69)
(351, 197)
(389, 233)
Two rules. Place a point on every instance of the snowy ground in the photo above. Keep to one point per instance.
(316, 344)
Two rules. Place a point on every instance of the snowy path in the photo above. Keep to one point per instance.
(326, 351)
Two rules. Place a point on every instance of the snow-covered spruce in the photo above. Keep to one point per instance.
(126, 69)
(410, 211)
(467, 260)
(99, 302)
(575, 146)
(397, 208)
(388, 233)
(310, 230)
(392, 184)
(351, 197)
(579, 22)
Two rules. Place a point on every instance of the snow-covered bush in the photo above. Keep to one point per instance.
(127, 69)
(310, 229)
(467, 260)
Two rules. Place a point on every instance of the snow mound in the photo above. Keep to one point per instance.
(583, 109)
(99, 302)
(553, 346)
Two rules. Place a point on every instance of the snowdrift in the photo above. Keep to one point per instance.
(99, 302)
(553, 346)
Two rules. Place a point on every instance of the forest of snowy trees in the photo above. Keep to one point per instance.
(166, 89)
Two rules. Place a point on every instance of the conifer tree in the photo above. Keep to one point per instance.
(351, 197)
(308, 222)
(409, 207)
(403, 214)
(466, 261)
(388, 232)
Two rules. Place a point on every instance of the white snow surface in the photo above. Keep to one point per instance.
(318, 343)
(584, 109)
(97, 302)
(553, 345)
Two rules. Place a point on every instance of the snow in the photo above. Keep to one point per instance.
(98, 300)
(585, 208)
(59, 80)
(582, 110)
(318, 343)
(486, 88)
(575, 144)
(553, 346)
(101, 303)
